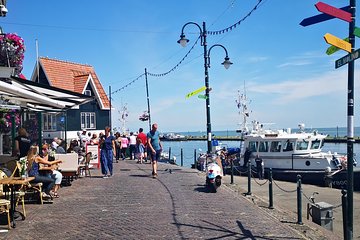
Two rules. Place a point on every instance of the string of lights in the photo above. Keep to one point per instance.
(127, 85)
(177, 65)
(158, 74)
(225, 30)
(186, 55)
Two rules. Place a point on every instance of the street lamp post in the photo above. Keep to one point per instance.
(183, 41)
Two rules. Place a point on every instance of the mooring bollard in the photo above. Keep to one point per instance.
(344, 211)
(194, 158)
(232, 171)
(182, 157)
(169, 153)
(271, 201)
(299, 206)
(249, 179)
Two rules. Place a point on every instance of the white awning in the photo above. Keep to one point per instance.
(39, 97)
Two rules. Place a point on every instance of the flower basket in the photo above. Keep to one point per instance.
(12, 50)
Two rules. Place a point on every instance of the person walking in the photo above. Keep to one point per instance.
(140, 150)
(124, 146)
(155, 148)
(107, 143)
(247, 156)
(132, 147)
(117, 146)
(143, 138)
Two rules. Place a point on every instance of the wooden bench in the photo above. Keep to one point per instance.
(69, 166)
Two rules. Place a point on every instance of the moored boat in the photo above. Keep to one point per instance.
(289, 154)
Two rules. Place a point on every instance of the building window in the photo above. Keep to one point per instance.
(87, 92)
(88, 120)
(49, 122)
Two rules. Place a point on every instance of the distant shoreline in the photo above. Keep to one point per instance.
(238, 138)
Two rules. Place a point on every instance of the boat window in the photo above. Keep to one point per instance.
(302, 145)
(253, 146)
(315, 144)
(275, 146)
(288, 146)
(263, 146)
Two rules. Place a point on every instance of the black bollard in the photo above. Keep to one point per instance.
(194, 158)
(182, 157)
(232, 171)
(249, 179)
(344, 211)
(299, 206)
(169, 154)
(271, 201)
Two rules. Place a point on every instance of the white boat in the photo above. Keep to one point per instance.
(289, 154)
(174, 136)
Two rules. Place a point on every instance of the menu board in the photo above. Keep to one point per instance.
(94, 149)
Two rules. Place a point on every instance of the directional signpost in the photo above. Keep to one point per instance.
(319, 18)
(195, 92)
(348, 58)
(333, 49)
(337, 42)
(333, 11)
(347, 14)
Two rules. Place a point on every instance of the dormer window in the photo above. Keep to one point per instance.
(87, 92)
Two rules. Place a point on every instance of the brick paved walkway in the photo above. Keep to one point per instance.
(132, 205)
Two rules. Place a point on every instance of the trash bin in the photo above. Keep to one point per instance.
(322, 214)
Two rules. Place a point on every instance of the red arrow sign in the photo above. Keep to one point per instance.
(333, 11)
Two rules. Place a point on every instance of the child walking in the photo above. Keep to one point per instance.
(140, 150)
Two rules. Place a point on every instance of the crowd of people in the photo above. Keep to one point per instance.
(42, 165)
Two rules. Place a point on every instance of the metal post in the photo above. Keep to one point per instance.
(169, 153)
(13, 130)
(299, 206)
(195, 158)
(271, 201)
(182, 157)
(65, 124)
(207, 90)
(232, 171)
(344, 211)
(350, 127)
(147, 97)
(249, 179)
(39, 116)
(110, 108)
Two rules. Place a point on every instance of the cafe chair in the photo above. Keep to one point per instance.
(85, 165)
(5, 208)
(19, 194)
(34, 188)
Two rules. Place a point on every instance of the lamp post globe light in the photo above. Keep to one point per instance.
(183, 41)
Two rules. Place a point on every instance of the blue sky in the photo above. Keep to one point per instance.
(288, 76)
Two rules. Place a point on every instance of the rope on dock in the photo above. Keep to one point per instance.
(282, 189)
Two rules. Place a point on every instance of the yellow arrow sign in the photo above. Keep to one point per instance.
(337, 42)
(333, 49)
(195, 92)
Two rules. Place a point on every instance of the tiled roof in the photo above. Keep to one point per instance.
(72, 76)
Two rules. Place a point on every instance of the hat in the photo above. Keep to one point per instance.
(84, 130)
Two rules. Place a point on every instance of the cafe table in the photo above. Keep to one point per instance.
(12, 182)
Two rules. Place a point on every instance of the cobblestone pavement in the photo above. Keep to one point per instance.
(132, 205)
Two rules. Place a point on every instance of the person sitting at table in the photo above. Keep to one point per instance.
(50, 170)
(33, 170)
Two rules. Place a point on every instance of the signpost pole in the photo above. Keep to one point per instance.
(350, 128)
